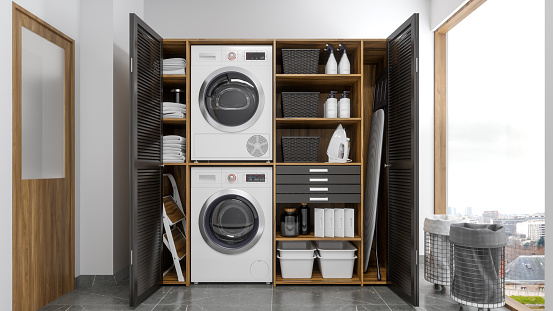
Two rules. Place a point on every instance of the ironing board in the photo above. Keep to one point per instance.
(371, 185)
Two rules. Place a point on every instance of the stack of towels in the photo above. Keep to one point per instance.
(174, 110)
(174, 66)
(174, 149)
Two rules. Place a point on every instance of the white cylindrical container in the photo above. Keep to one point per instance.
(331, 65)
(344, 65)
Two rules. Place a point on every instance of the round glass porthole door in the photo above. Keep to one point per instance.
(231, 99)
(231, 221)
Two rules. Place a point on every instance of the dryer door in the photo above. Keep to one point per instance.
(231, 221)
(231, 99)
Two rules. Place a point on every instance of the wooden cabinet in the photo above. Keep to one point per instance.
(368, 58)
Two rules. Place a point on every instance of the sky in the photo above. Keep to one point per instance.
(496, 109)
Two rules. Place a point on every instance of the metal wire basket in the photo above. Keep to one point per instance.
(477, 273)
(437, 260)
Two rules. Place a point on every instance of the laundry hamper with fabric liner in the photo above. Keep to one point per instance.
(478, 265)
(436, 250)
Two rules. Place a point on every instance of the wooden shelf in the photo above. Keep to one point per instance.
(171, 277)
(231, 164)
(316, 163)
(168, 78)
(317, 79)
(317, 278)
(311, 237)
(174, 121)
(370, 276)
(174, 164)
(315, 122)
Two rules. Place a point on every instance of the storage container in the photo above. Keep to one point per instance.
(300, 61)
(336, 249)
(300, 149)
(296, 268)
(296, 249)
(336, 268)
(300, 104)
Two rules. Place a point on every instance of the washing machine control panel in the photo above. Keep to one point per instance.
(255, 177)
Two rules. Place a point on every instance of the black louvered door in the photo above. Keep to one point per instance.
(146, 52)
(402, 160)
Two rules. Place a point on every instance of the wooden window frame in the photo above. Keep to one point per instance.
(440, 103)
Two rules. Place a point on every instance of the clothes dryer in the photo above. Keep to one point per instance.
(231, 103)
(231, 224)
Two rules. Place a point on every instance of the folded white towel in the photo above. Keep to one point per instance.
(173, 158)
(174, 110)
(174, 105)
(171, 153)
(173, 139)
(167, 145)
(174, 72)
(174, 115)
(173, 161)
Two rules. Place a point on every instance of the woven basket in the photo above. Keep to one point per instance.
(300, 61)
(300, 104)
(300, 149)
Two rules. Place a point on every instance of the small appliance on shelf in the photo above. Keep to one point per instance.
(338, 147)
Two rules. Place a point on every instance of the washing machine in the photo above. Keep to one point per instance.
(231, 224)
(231, 103)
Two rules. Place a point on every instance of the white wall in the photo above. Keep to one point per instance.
(121, 118)
(548, 149)
(63, 15)
(441, 10)
(96, 217)
(306, 19)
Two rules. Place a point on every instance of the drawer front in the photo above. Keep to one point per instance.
(318, 180)
(318, 169)
(318, 198)
(306, 189)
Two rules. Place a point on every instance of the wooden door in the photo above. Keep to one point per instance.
(402, 160)
(146, 48)
(43, 162)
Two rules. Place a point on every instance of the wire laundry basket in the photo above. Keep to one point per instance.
(436, 250)
(477, 266)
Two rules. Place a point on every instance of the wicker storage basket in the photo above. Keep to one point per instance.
(300, 149)
(300, 61)
(300, 104)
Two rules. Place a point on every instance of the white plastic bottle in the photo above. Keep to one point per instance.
(331, 106)
(344, 66)
(331, 65)
(344, 106)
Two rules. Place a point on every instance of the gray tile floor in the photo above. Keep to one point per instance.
(101, 293)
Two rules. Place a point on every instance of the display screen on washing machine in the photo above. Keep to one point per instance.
(255, 177)
(255, 55)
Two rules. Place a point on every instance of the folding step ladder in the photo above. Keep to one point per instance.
(174, 239)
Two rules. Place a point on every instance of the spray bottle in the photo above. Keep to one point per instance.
(344, 66)
(331, 65)
(344, 105)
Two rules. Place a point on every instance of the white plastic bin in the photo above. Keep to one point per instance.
(336, 268)
(336, 249)
(294, 268)
(296, 249)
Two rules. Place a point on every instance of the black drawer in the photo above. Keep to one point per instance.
(318, 198)
(318, 169)
(319, 189)
(318, 179)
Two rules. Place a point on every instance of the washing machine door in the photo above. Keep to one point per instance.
(231, 221)
(231, 99)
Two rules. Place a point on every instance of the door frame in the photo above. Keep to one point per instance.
(24, 293)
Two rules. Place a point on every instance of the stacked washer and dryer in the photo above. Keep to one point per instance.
(231, 120)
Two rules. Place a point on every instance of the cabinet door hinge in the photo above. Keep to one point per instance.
(131, 71)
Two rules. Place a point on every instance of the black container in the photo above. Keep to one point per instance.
(305, 218)
(290, 223)
(178, 96)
